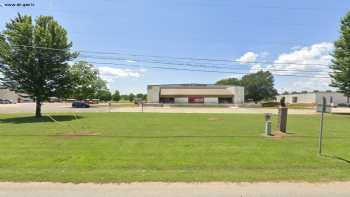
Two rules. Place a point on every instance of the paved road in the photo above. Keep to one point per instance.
(337, 189)
(66, 107)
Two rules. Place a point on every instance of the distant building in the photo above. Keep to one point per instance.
(195, 94)
(6, 94)
(333, 98)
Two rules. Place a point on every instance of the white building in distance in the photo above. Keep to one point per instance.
(195, 94)
(6, 94)
(333, 98)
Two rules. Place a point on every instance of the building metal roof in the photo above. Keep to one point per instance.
(7, 92)
(193, 86)
(195, 92)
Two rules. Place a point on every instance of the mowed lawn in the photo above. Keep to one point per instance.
(127, 147)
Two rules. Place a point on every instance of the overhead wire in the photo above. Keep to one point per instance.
(181, 58)
(195, 70)
(182, 64)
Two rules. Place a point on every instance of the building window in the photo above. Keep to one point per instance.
(195, 99)
(294, 99)
(225, 100)
(167, 100)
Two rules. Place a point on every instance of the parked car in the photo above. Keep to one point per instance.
(92, 101)
(80, 104)
(343, 105)
(138, 101)
(5, 101)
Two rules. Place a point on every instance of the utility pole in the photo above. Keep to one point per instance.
(282, 115)
(321, 125)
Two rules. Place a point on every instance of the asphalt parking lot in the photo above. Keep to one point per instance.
(66, 107)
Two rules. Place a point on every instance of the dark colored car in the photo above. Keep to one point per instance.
(80, 104)
(5, 101)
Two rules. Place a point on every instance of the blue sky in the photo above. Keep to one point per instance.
(251, 30)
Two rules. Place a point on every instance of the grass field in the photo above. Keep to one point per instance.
(126, 147)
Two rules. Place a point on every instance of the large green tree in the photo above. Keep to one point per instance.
(35, 56)
(257, 86)
(341, 59)
(131, 97)
(116, 96)
(229, 81)
(141, 96)
(87, 82)
(124, 97)
(104, 95)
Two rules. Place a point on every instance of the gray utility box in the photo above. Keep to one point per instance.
(268, 124)
(328, 108)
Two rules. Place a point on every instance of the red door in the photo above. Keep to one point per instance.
(195, 99)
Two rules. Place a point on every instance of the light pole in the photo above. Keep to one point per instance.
(323, 110)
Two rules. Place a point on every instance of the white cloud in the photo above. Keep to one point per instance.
(308, 60)
(264, 54)
(143, 70)
(301, 62)
(248, 57)
(255, 68)
(313, 58)
(237, 76)
(297, 47)
(311, 84)
(109, 73)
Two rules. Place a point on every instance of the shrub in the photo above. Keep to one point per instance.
(343, 105)
(270, 104)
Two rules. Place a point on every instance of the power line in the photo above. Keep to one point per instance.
(172, 68)
(166, 68)
(284, 8)
(198, 70)
(193, 65)
(208, 59)
(183, 58)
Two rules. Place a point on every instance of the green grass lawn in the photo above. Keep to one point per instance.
(170, 147)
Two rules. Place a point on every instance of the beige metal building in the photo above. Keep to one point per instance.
(195, 94)
(333, 98)
(6, 94)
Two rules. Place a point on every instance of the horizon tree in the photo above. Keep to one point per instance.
(87, 82)
(341, 59)
(124, 97)
(104, 95)
(257, 86)
(116, 96)
(229, 81)
(34, 57)
(131, 97)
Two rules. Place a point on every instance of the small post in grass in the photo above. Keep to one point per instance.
(109, 106)
(323, 110)
(268, 124)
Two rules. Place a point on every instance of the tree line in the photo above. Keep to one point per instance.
(257, 86)
(128, 97)
(89, 85)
